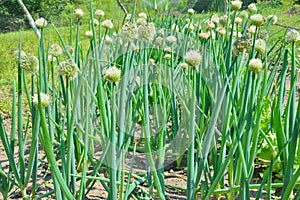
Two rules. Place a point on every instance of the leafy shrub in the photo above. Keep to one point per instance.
(13, 17)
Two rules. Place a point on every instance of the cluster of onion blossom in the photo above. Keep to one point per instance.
(68, 69)
(28, 62)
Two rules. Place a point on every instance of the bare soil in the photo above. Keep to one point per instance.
(174, 178)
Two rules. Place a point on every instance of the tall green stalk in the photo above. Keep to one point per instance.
(112, 149)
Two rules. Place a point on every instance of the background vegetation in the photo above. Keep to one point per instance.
(13, 18)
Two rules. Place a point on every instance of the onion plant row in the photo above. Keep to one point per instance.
(201, 95)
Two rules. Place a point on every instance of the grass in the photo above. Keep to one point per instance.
(291, 20)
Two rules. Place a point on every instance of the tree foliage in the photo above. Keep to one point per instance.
(215, 5)
(13, 18)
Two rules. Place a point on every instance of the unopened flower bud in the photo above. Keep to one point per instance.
(107, 24)
(238, 20)
(255, 65)
(41, 22)
(141, 21)
(184, 65)
(252, 8)
(236, 5)
(108, 40)
(70, 49)
(51, 58)
(89, 34)
(151, 61)
(99, 13)
(44, 100)
(175, 28)
(161, 32)
(244, 14)
(257, 19)
(96, 22)
(215, 19)
(204, 35)
(221, 30)
(189, 27)
(260, 45)
(251, 29)
(210, 24)
(167, 56)
(191, 11)
(128, 17)
(78, 13)
(143, 15)
(168, 49)
(223, 20)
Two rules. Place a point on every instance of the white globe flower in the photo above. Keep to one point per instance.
(55, 50)
(99, 13)
(89, 34)
(146, 32)
(292, 36)
(29, 63)
(41, 22)
(191, 11)
(129, 32)
(107, 24)
(171, 39)
(78, 13)
(68, 69)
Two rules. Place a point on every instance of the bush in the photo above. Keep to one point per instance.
(13, 18)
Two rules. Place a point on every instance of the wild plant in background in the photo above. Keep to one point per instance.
(164, 89)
